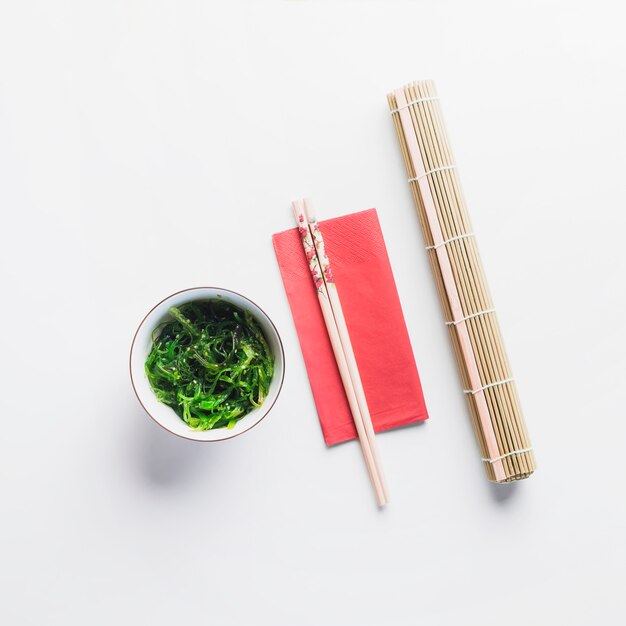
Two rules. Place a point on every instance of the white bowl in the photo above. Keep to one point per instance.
(164, 415)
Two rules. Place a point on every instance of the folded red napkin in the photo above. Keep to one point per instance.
(370, 302)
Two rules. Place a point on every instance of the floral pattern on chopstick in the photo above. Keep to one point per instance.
(311, 255)
(321, 251)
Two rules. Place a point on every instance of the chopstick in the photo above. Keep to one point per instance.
(340, 341)
(344, 336)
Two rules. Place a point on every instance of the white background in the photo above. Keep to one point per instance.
(151, 146)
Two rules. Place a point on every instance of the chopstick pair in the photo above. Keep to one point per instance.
(330, 305)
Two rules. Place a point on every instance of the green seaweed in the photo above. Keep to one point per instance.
(210, 363)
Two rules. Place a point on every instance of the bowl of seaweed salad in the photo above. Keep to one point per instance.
(207, 364)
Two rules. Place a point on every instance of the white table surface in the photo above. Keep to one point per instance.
(150, 146)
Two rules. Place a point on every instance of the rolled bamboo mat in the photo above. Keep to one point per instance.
(497, 417)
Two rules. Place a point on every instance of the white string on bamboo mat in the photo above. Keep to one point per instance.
(412, 102)
(504, 456)
(443, 168)
(447, 241)
(498, 382)
(469, 317)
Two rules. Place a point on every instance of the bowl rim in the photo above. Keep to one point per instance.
(280, 344)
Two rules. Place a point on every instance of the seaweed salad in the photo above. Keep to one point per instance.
(210, 363)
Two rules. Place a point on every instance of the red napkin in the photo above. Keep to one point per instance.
(370, 302)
